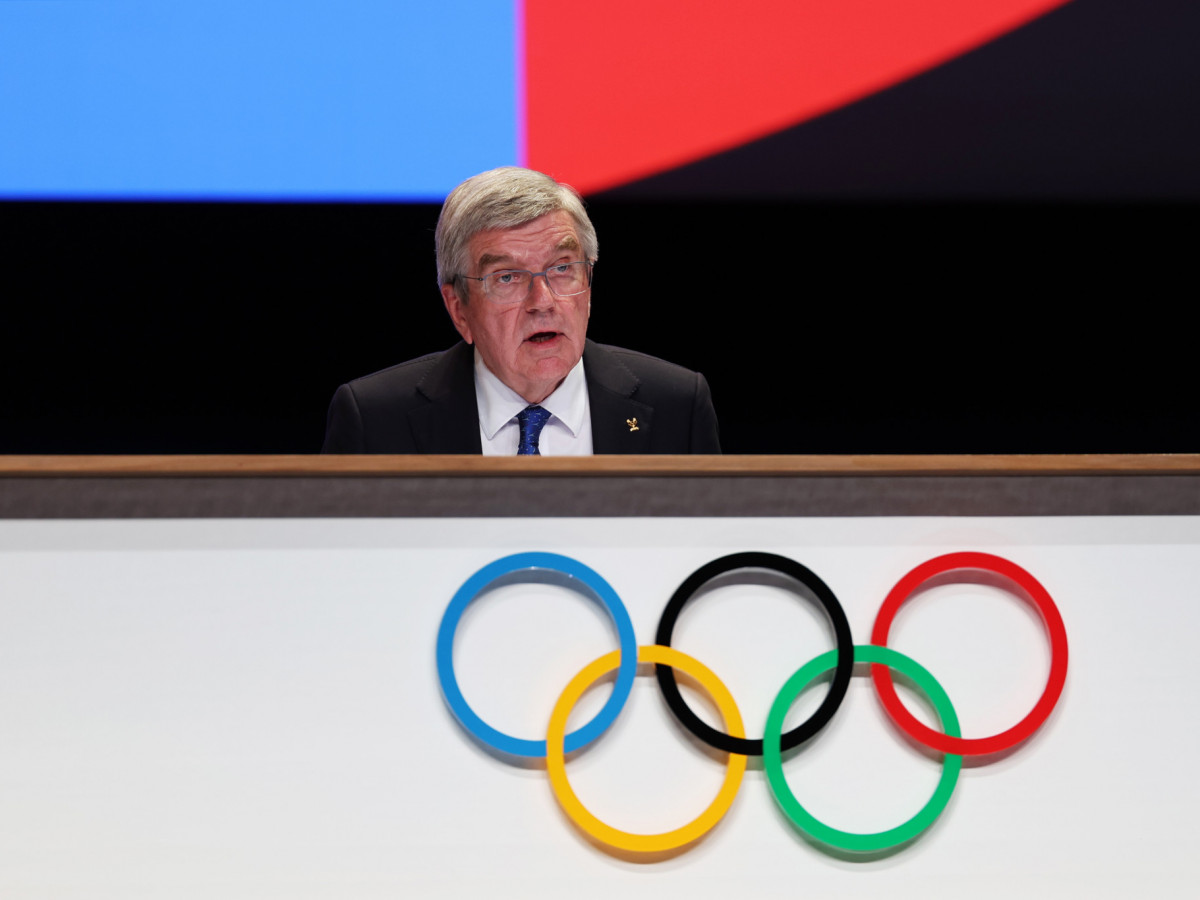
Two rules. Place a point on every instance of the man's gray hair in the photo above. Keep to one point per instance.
(502, 198)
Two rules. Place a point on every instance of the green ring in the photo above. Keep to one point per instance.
(773, 756)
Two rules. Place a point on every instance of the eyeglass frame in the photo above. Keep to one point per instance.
(590, 263)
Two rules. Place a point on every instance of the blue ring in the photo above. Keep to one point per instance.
(560, 570)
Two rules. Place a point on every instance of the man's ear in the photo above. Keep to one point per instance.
(456, 306)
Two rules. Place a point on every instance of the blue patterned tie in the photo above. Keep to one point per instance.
(531, 419)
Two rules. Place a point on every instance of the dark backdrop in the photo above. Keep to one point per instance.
(822, 327)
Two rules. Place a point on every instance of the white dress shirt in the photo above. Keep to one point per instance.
(568, 431)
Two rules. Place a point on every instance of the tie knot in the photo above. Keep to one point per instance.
(531, 419)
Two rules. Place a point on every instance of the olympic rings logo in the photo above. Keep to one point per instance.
(556, 569)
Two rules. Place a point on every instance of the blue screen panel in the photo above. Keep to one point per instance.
(254, 99)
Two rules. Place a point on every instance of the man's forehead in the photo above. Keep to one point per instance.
(550, 233)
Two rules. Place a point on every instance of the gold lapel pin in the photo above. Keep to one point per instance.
(632, 423)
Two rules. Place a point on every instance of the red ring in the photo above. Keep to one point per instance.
(1031, 589)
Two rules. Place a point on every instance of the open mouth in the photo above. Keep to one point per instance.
(542, 336)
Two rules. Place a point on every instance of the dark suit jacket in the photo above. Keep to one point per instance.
(427, 405)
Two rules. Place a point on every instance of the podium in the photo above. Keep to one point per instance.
(439, 486)
(221, 673)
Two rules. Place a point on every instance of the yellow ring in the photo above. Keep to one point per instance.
(556, 766)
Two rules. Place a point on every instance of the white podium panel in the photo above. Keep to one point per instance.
(251, 708)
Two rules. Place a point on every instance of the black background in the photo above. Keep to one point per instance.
(997, 256)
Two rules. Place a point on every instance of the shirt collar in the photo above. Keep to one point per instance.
(499, 404)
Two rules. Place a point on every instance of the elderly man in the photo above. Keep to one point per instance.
(515, 252)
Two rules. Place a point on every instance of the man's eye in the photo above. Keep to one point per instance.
(507, 277)
(561, 269)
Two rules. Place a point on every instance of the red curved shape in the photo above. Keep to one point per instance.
(1025, 586)
(619, 90)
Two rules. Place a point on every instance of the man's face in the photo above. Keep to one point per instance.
(532, 344)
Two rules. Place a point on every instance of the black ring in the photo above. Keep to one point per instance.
(841, 631)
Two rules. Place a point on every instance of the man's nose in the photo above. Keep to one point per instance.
(540, 296)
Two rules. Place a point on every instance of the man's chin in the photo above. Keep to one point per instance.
(544, 376)
(558, 350)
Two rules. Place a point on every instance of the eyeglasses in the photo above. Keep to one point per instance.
(513, 285)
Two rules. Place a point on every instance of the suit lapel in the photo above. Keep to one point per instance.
(620, 424)
(450, 421)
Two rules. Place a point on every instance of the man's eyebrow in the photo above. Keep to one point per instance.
(567, 243)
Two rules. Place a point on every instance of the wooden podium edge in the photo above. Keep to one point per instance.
(268, 465)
